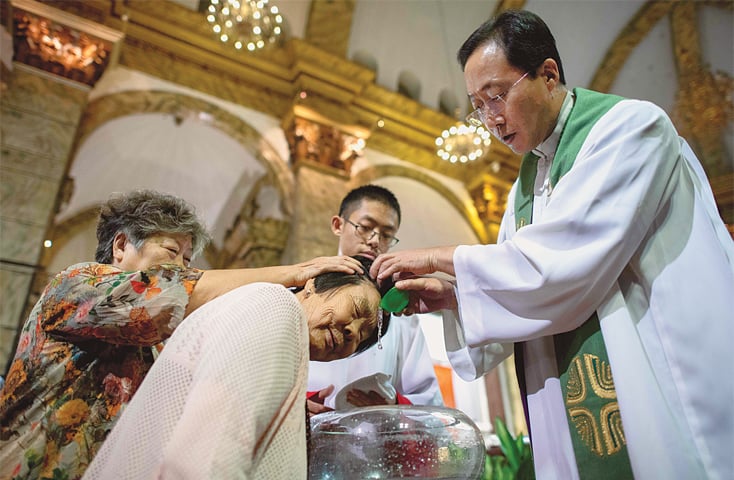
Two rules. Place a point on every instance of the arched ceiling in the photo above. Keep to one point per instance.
(627, 47)
(634, 48)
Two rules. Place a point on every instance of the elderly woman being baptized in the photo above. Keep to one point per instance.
(226, 396)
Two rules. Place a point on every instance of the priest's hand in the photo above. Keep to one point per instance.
(428, 294)
(421, 261)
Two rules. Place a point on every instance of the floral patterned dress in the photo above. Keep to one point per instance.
(81, 355)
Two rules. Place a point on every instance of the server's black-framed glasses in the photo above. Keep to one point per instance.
(368, 233)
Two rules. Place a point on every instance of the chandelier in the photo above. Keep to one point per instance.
(250, 24)
(463, 143)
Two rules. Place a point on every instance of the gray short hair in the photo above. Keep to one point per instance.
(139, 214)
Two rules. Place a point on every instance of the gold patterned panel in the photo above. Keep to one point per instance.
(588, 428)
(611, 426)
(328, 146)
(602, 433)
(489, 193)
(600, 376)
(576, 383)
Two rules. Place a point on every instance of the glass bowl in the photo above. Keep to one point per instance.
(396, 441)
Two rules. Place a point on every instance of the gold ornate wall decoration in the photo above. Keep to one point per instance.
(704, 108)
(490, 198)
(62, 44)
(325, 145)
(318, 141)
(702, 96)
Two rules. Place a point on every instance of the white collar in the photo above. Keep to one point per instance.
(547, 149)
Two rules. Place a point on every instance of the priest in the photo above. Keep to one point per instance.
(612, 280)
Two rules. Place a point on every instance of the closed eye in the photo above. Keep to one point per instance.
(363, 310)
(356, 314)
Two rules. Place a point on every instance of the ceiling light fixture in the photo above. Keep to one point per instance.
(248, 24)
(463, 143)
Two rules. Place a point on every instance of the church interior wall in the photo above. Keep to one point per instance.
(225, 145)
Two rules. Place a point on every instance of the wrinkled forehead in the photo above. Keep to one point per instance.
(366, 299)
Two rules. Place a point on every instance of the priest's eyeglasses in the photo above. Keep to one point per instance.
(491, 108)
(368, 233)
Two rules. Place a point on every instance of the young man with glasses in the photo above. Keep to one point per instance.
(611, 280)
(367, 224)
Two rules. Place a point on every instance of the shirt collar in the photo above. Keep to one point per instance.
(547, 149)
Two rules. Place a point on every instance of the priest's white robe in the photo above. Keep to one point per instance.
(631, 232)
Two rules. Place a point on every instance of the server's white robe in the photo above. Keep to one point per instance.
(631, 231)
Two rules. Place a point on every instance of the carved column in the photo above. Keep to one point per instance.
(322, 154)
(704, 109)
(259, 234)
(44, 93)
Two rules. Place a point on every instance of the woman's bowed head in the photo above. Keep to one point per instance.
(343, 313)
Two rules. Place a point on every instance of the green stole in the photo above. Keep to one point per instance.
(583, 365)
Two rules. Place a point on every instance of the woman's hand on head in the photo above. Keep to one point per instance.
(314, 267)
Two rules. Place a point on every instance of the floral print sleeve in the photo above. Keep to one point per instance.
(101, 302)
(81, 356)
